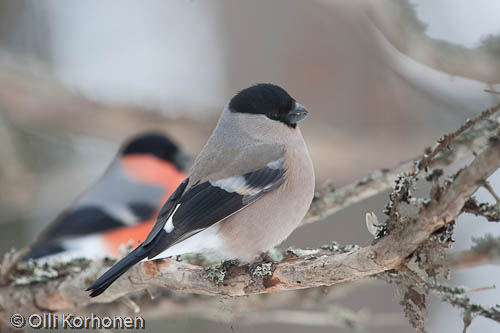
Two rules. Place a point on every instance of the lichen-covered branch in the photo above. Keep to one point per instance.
(416, 291)
(470, 137)
(322, 267)
(488, 211)
(61, 286)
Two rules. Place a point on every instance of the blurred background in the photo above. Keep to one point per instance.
(382, 80)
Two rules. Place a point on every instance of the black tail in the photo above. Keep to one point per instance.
(102, 283)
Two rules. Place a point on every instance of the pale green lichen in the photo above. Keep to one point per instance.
(215, 274)
(301, 252)
(351, 247)
(275, 255)
(489, 211)
(37, 274)
(197, 259)
(261, 270)
(33, 272)
(218, 273)
(463, 302)
(454, 296)
(444, 236)
(336, 247)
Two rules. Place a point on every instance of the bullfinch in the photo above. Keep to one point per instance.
(122, 205)
(247, 190)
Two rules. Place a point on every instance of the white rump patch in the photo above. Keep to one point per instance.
(206, 241)
(90, 247)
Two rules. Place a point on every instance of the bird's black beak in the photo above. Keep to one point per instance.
(297, 114)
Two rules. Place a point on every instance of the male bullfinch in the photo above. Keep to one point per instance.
(121, 206)
(248, 189)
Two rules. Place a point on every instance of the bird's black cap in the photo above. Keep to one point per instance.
(158, 145)
(269, 100)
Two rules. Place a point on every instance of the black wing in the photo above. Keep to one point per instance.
(210, 202)
(188, 212)
(91, 219)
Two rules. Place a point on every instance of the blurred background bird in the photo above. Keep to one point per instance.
(120, 208)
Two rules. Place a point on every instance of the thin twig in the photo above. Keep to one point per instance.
(446, 140)
(492, 91)
(329, 200)
(486, 184)
(490, 212)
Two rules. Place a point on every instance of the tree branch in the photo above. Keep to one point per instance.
(398, 22)
(490, 212)
(65, 284)
(470, 137)
(61, 286)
